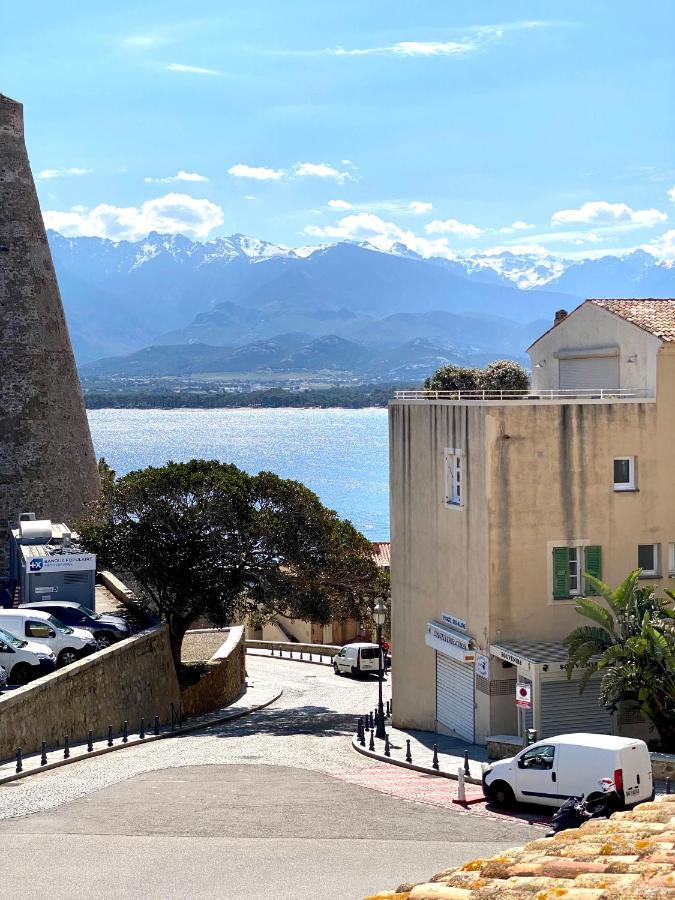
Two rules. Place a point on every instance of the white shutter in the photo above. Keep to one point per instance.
(589, 373)
(563, 711)
(454, 696)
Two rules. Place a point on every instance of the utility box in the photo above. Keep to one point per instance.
(47, 563)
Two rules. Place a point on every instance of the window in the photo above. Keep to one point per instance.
(648, 559)
(454, 479)
(538, 758)
(624, 473)
(569, 566)
(37, 629)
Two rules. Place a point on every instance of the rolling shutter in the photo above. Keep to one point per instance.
(589, 373)
(564, 711)
(593, 561)
(561, 572)
(454, 696)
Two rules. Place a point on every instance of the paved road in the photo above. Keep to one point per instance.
(276, 803)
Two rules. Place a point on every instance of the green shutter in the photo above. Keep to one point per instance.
(561, 572)
(593, 557)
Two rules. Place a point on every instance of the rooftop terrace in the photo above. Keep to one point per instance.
(595, 395)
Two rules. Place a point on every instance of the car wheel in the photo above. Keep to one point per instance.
(104, 640)
(67, 656)
(501, 795)
(20, 674)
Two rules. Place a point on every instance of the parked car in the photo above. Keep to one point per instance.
(24, 660)
(68, 644)
(3, 678)
(571, 765)
(357, 659)
(106, 629)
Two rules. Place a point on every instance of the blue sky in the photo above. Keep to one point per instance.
(453, 126)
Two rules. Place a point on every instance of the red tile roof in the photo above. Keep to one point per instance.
(382, 554)
(655, 316)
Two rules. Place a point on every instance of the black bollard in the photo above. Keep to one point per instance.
(434, 762)
(372, 720)
(387, 710)
(141, 732)
(90, 741)
(387, 748)
(466, 763)
(371, 745)
(365, 722)
(667, 785)
(125, 732)
(110, 737)
(362, 734)
(173, 717)
(66, 747)
(43, 755)
(156, 724)
(408, 754)
(19, 760)
(310, 657)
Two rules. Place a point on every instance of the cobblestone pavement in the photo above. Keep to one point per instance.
(309, 727)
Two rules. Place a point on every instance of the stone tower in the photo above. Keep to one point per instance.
(47, 462)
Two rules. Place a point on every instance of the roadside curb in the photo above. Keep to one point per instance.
(137, 742)
(469, 779)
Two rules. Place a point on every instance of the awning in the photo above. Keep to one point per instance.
(532, 656)
(451, 643)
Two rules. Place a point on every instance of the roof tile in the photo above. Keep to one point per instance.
(655, 316)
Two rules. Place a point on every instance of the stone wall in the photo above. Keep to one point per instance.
(224, 681)
(131, 679)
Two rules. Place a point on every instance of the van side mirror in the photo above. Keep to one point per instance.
(52, 633)
(521, 763)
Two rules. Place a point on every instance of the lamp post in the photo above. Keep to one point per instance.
(379, 617)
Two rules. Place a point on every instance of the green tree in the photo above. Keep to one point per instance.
(503, 375)
(205, 539)
(632, 641)
(452, 378)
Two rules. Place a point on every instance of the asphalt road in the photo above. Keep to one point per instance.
(272, 805)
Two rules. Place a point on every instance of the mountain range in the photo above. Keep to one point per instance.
(239, 304)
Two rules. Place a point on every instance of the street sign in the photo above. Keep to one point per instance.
(524, 696)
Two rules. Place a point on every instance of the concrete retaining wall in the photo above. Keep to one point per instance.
(293, 647)
(131, 679)
(224, 681)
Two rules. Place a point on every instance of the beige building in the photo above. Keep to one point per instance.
(500, 505)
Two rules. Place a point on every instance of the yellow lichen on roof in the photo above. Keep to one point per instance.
(628, 857)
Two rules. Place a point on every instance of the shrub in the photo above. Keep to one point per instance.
(503, 375)
(453, 378)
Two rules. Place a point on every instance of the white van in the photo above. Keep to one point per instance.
(68, 644)
(24, 660)
(357, 658)
(569, 765)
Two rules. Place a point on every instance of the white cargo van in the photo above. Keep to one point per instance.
(24, 660)
(571, 765)
(68, 644)
(357, 658)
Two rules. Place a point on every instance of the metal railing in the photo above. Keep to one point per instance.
(530, 395)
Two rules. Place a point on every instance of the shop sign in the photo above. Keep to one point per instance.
(524, 696)
(453, 621)
(512, 658)
(451, 643)
(52, 589)
(482, 665)
(66, 562)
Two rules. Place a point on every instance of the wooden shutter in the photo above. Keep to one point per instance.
(561, 572)
(593, 558)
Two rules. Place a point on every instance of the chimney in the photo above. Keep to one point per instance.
(559, 316)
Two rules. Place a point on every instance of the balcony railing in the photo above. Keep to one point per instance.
(557, 394)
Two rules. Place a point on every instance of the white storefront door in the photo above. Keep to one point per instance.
(455, 696)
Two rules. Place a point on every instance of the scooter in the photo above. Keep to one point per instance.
(577, 810)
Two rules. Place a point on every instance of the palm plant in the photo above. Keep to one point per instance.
(633, 641)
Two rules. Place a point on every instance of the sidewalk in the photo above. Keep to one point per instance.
(256, 696)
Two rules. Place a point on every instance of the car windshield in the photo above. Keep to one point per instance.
(11, 640)
(89, 613)
(55, 623)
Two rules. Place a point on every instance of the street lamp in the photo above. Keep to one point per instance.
(379, 617)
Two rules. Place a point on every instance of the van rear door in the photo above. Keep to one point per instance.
(636, 773)
(582, 768)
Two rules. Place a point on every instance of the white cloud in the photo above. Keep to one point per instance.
(259, 173)
(452, 226)
(191, 70)
(171, 214)
(142, 41)
(419, 207)
(371, 228)
(47, 174)
(664, 246)
(180, 176)
(602, 213)
(320, 170)
(519, 225)
(671, 194)
(249, 197)
(339, 204)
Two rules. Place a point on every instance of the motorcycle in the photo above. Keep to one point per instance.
(577, 810)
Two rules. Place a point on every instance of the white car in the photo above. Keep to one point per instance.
(357, 659)
(68, 644)
(24, 660)
(571, 765)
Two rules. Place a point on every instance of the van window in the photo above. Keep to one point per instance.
(37, 629)
(369, 653)
(538, 757)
